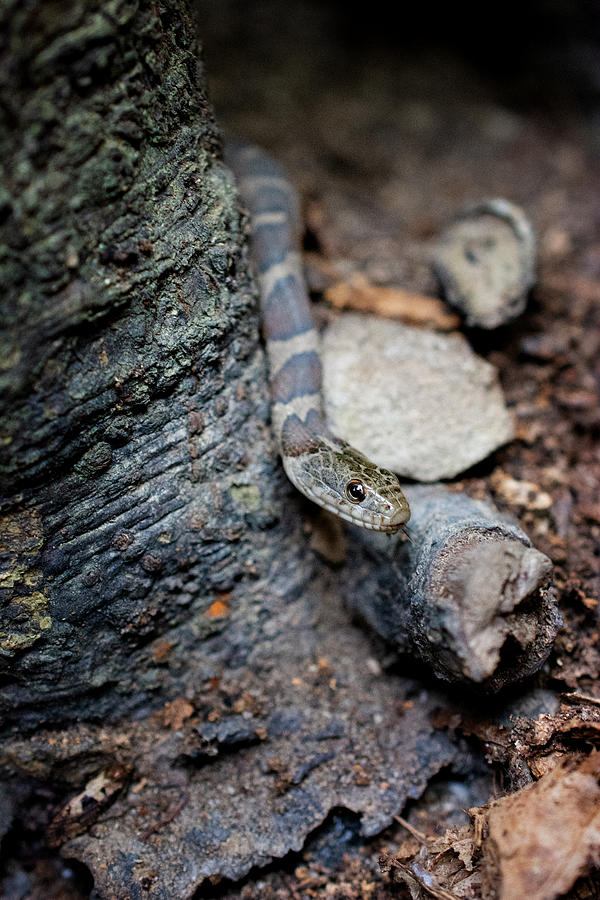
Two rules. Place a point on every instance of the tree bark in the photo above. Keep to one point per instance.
(136, 465)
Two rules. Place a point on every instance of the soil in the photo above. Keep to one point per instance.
(388, 126)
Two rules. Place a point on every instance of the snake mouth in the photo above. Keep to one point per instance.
(364, 518)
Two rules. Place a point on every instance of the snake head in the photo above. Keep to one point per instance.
(342, 480)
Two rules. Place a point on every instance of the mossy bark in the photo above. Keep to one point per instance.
(136, 464)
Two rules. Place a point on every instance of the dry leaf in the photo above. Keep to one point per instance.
(395, 303)
(547, 835)
(535, 843)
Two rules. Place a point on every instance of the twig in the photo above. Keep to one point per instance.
(171, 813)
(414, 831)
(576, 697)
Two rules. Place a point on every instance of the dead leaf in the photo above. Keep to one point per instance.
(545, 836)
(535, 843)
(391, 302)
(442, 867)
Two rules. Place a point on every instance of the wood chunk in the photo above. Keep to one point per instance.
(485, 261)
(468, 592)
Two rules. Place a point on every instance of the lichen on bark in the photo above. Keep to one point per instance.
(132, 384)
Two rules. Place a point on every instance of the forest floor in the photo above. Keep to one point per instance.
(385, 142)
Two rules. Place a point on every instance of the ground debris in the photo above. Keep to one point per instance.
(82, 810)
(510, 849)
(526, 739)
(443, 867)
(224, 778)
(522, 856)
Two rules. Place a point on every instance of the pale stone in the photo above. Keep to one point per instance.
(417, 402)
(485, 260)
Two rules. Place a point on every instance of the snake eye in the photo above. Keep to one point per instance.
(355, 491)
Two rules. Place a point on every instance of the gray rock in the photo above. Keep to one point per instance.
(420, 403)
(485, 261)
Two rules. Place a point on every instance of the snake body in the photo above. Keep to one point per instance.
(323, 467)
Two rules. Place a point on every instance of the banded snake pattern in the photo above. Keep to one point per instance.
(323, 467)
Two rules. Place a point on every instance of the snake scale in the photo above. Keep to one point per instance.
(325, 468)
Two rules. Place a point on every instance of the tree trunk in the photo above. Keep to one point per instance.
(136, 466)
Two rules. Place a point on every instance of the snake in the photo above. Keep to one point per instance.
(324, 467)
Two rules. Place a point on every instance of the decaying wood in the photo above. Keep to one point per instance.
(468, 590)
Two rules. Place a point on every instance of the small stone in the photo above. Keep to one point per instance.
(419, 403)
(523, 494)
(485, 261)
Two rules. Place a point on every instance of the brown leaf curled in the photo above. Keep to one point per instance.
(391, 302)
(545, 836)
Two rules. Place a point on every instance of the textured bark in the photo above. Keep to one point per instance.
(136, 467)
